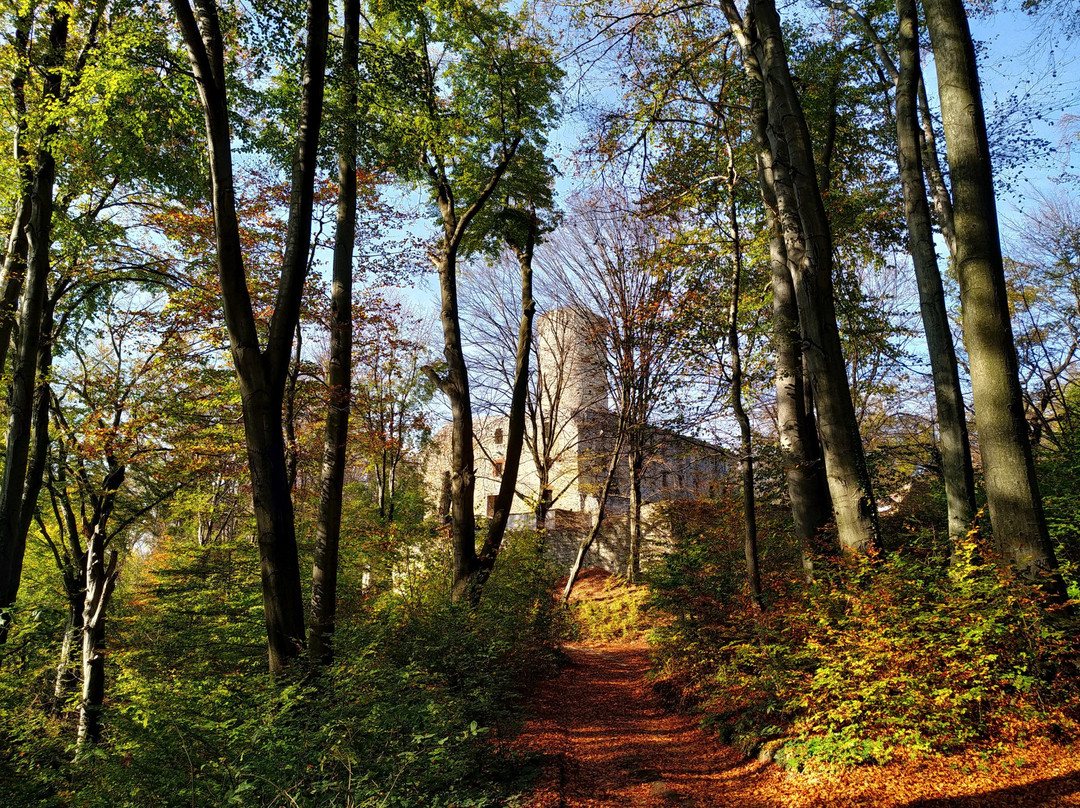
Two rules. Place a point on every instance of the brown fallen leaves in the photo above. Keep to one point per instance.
(609, 743)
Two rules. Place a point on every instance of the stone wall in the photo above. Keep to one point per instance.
(611, 549)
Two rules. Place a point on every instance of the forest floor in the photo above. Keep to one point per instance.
(607, 741)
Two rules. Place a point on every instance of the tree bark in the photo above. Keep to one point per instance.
(635, 462)
(952, 420)
(601, 511)
(22, 467)
(14, 270)
(262, 374)
(101, 576)
(455, 384)
(339, 377)
(808, 491)
(1008, 469)
(808, 244)
(515, 433)
(746, 461)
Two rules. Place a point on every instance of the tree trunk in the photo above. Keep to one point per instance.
(515, 433)
(455, 385)
(601, 510)
(750, 536)
(1008, 469)
(808, 241)
(952, 421)
(635, 462)
(339, 376)
(21, 477)
(100, 582)
(67, 679)
(262, 374)
(93, 683)
(462, 474)
(14, 270)
(807, 486)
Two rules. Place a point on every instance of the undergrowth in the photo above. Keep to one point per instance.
(413, 713)
(902, 656)
(615, 611)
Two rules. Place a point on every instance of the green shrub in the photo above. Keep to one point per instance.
(904, 654)
(411, 714)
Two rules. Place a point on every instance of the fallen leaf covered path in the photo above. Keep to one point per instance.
(611, 743)
(608, 742)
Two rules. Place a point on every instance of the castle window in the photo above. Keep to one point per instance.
(491, 506)
(497, 467)
(499, 436)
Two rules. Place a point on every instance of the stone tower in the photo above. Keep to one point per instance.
(570, 347)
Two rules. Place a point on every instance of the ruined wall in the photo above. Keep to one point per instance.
(566, 530)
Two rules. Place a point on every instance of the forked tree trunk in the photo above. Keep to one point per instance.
(455, 384)
(339, 377)
(1012, 491)
(262, 374)
(952, 420)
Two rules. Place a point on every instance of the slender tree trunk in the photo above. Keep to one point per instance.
(750, 535)
(1008, 469)
(952, 421)
(67, 678)
(515, 433)
(601, 511)
(332, 478)
(635, 462)
(445, 486)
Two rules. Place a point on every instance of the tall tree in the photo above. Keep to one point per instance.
(1012, 491)
(809, 248)
(467, 120)
(521, 236)
(262, 371)
(339, 375)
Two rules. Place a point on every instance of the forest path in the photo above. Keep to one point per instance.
(608, 742)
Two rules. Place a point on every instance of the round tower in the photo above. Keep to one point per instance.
(570, 349)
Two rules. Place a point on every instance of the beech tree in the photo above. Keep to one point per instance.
(262, 371)
(808, 244)
(1012, 490)
(466, 119)
(339, 374)
(609, 260)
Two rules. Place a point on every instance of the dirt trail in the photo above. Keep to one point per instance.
(612, 744)
(609, 743)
